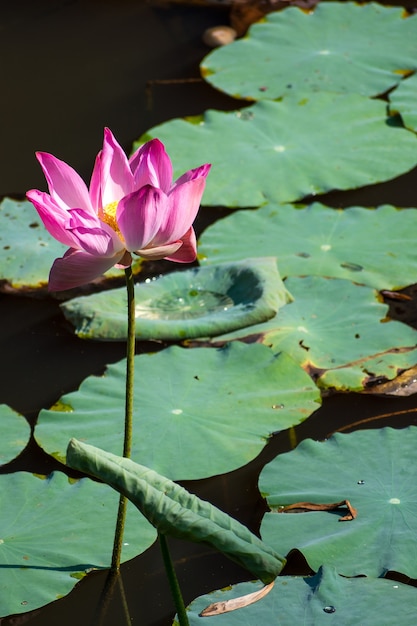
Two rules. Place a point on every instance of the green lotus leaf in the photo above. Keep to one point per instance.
(340, 47)
(197, 412)
(27, 250)
(176, 512)
(54, 532)
(193, 303)
(325, 598)
(374, 470)
(334, 324)
(15, 433)
(283, 151)
(373, 247)
(404, 101)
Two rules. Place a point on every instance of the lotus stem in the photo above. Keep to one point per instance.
(173, 581)
(127, 443)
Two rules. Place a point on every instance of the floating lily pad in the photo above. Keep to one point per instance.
(198, 412)
(377, 374)
(283, 151)
(335, 324)
(375, 471)
(404, 100)
(15, 433)
(341, 47)
(373, 247)
(54, 532)
(193, 303)
(175, 511)
(325, 598)
(27, 250)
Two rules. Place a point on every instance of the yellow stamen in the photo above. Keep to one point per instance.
(108, 215)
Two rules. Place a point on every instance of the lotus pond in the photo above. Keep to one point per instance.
(275, 377)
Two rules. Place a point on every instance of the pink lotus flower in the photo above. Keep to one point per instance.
(132, 207)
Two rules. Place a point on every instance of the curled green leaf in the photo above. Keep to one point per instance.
(174, 511)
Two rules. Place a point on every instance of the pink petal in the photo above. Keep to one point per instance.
(113, 171)
(54, 218)
(93, 236)
(77, 268)
(198, 172)
(184, 202)
(139, 216)
(159, 252)
(151, 165)
(95, 185)
(66, 187)
(188, 251)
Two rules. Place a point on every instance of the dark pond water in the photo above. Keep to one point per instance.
(69, 68)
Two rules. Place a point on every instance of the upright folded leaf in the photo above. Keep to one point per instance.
(174, 511)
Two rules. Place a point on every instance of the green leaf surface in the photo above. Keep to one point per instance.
(283, 151)
(325, 598)
(404, 101)
(27, 250)
(197, 412)
(374, 470)
(374, 247)
(54, 532)
(176, 512)
(340, 47)
(334, 324)
(193, 303)
(15, 433)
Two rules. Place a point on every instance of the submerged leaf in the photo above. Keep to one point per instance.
(53, 533)
(201, 302)
(198, 412)
(340, 47)
(176, 512)
(284, 151)
(375, 470)
(325, 598)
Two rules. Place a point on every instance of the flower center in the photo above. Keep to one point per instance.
(108, 215)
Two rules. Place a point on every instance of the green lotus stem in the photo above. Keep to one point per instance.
(173, 581)
(127, 443)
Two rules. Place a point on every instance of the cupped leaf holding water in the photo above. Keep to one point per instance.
(372, 247)
(53, 533)
(404, 101)
(375, 471)
(198, 412)
(325, 598)
(27, 250)
(176, 512)
(340, 47)
(337, 330)
(193, 303)
(283, 151)
(15, 433)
